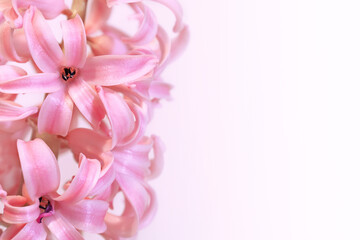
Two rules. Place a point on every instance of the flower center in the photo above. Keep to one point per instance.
(46, 208)
(68, 72)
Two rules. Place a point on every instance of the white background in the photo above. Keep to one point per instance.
(263, 134)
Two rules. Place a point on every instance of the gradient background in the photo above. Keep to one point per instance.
(263, 133)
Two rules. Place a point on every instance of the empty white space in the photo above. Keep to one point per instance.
(263, 134)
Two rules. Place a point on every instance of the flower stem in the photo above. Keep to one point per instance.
(79, 7)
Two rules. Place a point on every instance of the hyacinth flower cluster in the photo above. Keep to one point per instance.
(90, 92)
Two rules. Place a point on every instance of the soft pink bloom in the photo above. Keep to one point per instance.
(69, 77)
(97, 16)
(13, 126)
(41, 208)
(173, 5)
(13, 9)
(132, 167)
(13, 45)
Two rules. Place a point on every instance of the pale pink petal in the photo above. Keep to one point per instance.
(5, 4)
(151, 210)
(97, 16)
(49, 8)
(43, 46)
(37, 83)
(104, 182)
(15, 212)
(176, 8)
(13, 17)
(20, 43)
(39, 166)
(160, 90)
(55, 114)
(11, 231)
(10, 112)
(3, 193)
(9, 72)
(87, 101)
(74, 42)
(61, 228)
(30, 231)
(95, 142)
(173, 5)
(157, 163)
(86, 215)
(135, 192)
(124, 226)
(10, 171)
(134, 160)
(164, 44)
(179, 44)
(141, 120)
(7, 47)
(148, 26)
(107, 45)
(84, 180)
(120, 116)
(114, 70)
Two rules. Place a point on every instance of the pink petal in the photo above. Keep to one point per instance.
(11, 231)
(10, 171)
(173, 5)
(134, 160)
(15, 212)
(141, 120)
(74, 42)
(13, 16)
(114, 70)
(86, 215)
(148, 26)
(97, 16)
(39, 166)
(30, 231)
(107, 45)
(5, 4)
(160, 90)
(20, 43)
(43, 46)
(157, 163)
(49, 8)
(104, 182)
(37, 83)
(179, 44)
(176, 8)
(9, 72)
(95, 142)
(55, 114)
(135, 192)
(87, 101)
(120, 116)
(151, 210)
(164, 44)
(10, 112)
(124, 226)
(61, 228)
(7, 47)
(84, 180)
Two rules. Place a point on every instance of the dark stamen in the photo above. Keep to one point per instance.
(68, 72)
(46, 208)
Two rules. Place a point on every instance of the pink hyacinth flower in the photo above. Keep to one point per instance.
(132, 167)
(70, 78)
(41, 209)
